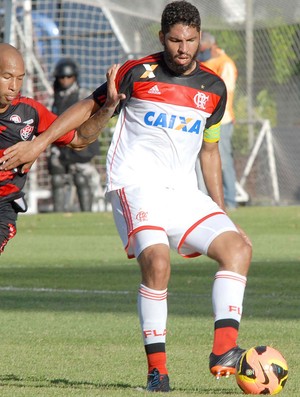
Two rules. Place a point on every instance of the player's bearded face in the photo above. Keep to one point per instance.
(181, 46)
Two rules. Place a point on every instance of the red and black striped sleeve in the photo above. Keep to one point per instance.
(45, 119)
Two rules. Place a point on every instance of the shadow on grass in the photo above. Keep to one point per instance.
(114, 289)
(11, 380)
(38, 382)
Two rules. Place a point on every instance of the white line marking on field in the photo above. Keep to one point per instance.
(86, 291)
(108, 292)
(68, 291)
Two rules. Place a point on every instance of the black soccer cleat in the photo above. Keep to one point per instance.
(157, 382)
(224, 364)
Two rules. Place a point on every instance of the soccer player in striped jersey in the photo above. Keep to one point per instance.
(170, 111)
(21, 119)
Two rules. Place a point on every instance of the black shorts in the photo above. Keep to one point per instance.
(8, 218)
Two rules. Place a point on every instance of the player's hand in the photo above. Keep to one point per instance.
(22, 153)
(113, 97)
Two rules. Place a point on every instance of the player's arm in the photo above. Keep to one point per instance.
(210, 161)
(73, 118)
(211, 166)
(89, 131)
(25, 153)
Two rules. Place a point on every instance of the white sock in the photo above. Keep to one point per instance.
(227, 295)
(153, 311)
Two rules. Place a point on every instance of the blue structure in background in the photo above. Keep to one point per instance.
(46, 38)
(48, 41)
(78, 40)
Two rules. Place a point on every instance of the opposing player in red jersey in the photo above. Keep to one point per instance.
(21, 119)
(171, 114)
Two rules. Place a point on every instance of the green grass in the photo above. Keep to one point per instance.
(68, 320)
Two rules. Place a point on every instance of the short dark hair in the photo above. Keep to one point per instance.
(180, 12)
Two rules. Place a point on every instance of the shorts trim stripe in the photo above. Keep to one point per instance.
(126, 210)
(146, 227)
(194, 227)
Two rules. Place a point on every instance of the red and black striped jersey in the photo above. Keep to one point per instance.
(162, 122)
(23, 120)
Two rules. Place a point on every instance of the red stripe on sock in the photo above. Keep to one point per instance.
(157, 360)
(224, 340)
(159, 296)
(233, 277)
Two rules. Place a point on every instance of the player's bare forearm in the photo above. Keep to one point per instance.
(72, 118)
(78, 117)
(24, 153)
(89, 131)
(212, 172)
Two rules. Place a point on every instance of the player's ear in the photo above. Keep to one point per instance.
(161, 37)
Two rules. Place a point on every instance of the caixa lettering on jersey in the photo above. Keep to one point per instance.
(173, 121)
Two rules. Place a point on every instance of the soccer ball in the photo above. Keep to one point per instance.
(261, 370)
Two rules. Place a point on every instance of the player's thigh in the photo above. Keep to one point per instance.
(7, 213)
(150, 238)
(201, 237)
(139, 220)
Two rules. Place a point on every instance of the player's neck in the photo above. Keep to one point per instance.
(3, 108)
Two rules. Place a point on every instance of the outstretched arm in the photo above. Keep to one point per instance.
(89, 131)
(78, 116)
(25, 153)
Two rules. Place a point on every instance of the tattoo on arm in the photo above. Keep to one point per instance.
(89, 131)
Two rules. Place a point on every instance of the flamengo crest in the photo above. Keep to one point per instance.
(200, 100)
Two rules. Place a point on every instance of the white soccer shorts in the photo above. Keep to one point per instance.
(186, 221)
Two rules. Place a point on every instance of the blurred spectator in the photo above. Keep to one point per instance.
(217, 60)
(66, 166)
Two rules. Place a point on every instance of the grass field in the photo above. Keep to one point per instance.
(68, 320)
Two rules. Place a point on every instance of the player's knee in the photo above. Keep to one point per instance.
(246, 253)
(240, 257)
(155, 266)
(232, 252)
